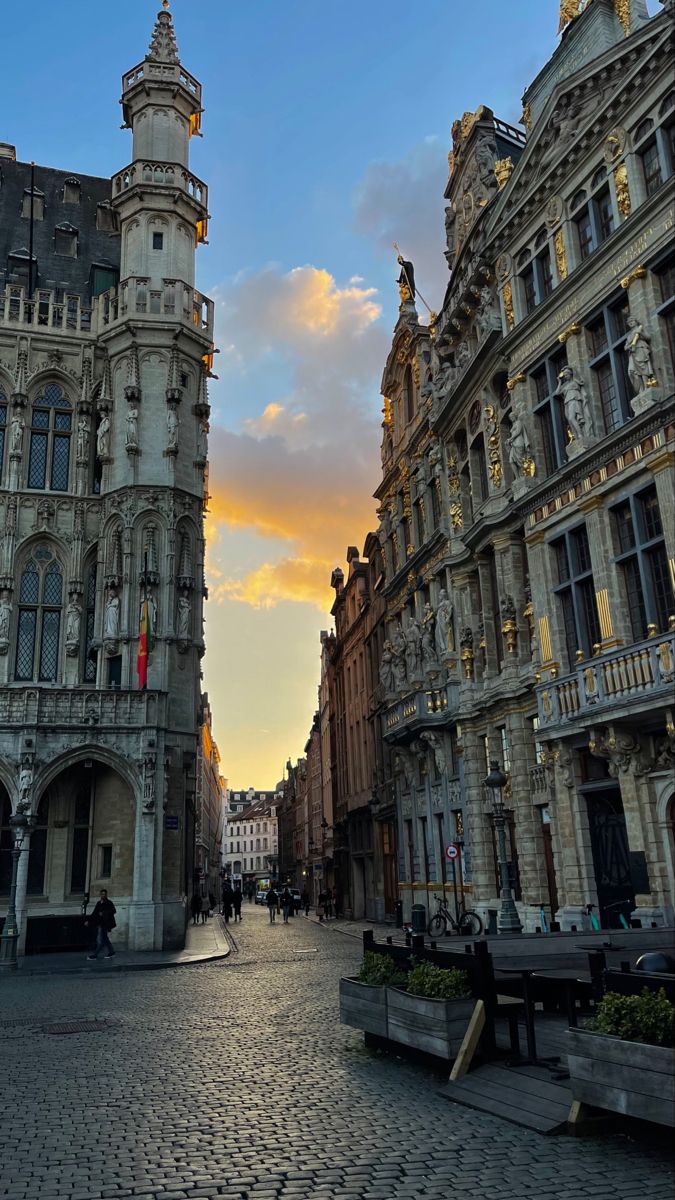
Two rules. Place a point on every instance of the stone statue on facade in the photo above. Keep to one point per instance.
(149, 782)
(518, 443)
(487, 317)
(638, 349)
(184, 618)
(73, 623)
(149, 597)
(406, 280)
(413, 648)
(575, 404)
(111, 619)
(203, 440)
(387, 669)
(5, 618)
(450, 223)
(172, 423)
(429, 655)
(25, 787)
(444, 639)
(131, 439)
(103, 437)
(435, 743)
(83, 429)
(16, 429)
(398, 648)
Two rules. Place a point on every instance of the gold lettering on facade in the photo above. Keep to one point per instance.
(622, 189)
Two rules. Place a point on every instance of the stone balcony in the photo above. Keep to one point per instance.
(171, 73)
(103, 708)
(171, 299)
(615, 683)
(146, 173)
(420, 709)
(46, 310)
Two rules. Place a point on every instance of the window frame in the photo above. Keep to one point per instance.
(40, 609)
(611, 354)
(548, 410)
(43, 405)
(575, 594)
(639, 556)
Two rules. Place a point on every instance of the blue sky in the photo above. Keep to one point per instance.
(326, 133)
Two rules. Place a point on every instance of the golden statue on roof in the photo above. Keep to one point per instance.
(570, 10)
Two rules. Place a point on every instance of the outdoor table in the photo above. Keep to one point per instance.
(526, 974)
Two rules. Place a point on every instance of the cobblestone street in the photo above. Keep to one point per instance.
(236, 1080)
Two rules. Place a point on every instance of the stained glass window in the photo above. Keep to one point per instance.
(51, 426)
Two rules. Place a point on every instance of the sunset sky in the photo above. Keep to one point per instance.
(326, 134)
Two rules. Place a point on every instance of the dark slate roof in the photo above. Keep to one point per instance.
(54, 271)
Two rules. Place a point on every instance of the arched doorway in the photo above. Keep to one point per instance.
(83, 840)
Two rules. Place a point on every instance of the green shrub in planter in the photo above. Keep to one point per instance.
(436, 983)
(379, 970)
(649, 1018)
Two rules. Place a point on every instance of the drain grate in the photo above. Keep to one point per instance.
(19, 1021)
(77, 1027)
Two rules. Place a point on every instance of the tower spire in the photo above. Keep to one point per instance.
(163, 46)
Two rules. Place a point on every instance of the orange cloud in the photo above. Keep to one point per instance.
(303, 580)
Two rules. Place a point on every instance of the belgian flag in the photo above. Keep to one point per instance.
(144, 645)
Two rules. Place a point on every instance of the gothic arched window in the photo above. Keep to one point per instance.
(50, 434)
(40, 603)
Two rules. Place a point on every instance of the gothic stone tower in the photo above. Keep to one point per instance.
(113, 398)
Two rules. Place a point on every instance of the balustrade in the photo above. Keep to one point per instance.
(617, 677)
(174, 299)
(105, 708)
(44, 310)
(163, 174)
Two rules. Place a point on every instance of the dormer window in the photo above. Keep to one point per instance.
(106, 218)
(38, 205)
(71, 191)
(65, 240)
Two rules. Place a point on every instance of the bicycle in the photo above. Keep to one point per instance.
(469, 923)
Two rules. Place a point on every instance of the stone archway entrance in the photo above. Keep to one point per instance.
(83, 840)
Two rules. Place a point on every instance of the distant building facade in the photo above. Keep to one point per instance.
(209, 817)
(250, 856)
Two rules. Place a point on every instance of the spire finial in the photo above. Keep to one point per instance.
(165, 4)
(163, 46)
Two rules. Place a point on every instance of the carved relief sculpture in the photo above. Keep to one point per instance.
(203, 440)
(172, 423)
(25, 787)
(398, 647)
(149, 782)
(435, 743)
(184, 618)
(111, 622)
(622, 189)
(83, 431)
(429, 654)
(488, 317)
(519, 446)
(132, 429)
(413, 648)
(387, 669)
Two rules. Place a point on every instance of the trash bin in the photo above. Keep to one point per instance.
(399, 914)
(419, 918)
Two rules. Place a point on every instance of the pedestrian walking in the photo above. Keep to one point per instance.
(212, 903)
(286, 904)
(328, 902)
(272, 904)
(305, 901)
(205, 909)
(250, 895)
(228, 897)
(337, 903)
(103, 919)
(236, 903)
(196, 908)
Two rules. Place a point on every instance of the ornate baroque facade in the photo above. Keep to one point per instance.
(103, 452)
(526, 505)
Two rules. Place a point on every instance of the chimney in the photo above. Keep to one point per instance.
(7, 151)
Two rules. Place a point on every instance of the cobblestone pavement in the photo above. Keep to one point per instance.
(235, 1079)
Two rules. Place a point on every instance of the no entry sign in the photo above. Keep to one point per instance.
(452, 851)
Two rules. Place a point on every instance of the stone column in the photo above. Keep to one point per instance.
(142, 908)
(575, 874)
(528, 824)
(482, 859)
(21, 887)
(662, 467)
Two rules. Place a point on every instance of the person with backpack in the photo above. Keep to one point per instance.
(286, 904)
(103, 919)
(272, 904)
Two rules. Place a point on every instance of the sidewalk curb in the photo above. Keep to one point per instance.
(194, 960)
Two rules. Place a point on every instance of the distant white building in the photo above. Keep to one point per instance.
(250, 848)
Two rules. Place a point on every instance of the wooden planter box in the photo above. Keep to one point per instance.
(433, 1026)
(624, 1077)
(363, 1006)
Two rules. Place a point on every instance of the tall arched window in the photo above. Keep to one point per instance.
(50, 434)
(40, 602)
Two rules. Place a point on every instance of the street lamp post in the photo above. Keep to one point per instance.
(508, 920)
(18, 824)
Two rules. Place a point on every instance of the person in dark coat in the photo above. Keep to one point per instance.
(228, 897)
(305, 901)
(212, 903)
(286, 904)
(103, 919)
(196, 908)
(236, 903)
(272, 904)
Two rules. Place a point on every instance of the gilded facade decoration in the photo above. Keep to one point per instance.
(507, 298)
(636, 273)
(527, 117)
(560, 255)
(503, 170)
(622, 189)
(622, 9)
(571, 331)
